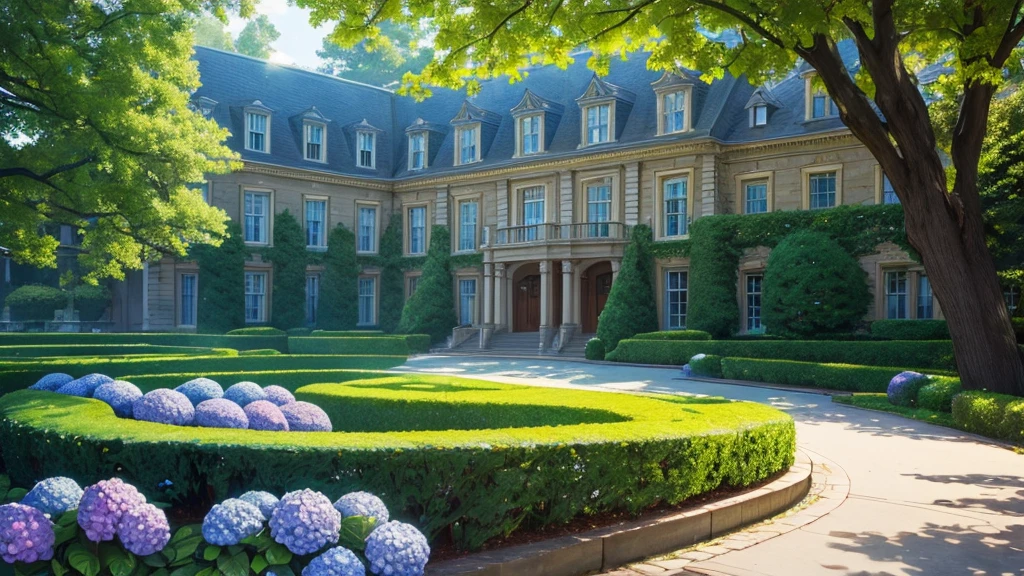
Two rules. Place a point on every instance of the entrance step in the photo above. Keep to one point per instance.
(576, 348)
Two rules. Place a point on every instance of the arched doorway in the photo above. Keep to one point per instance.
(526, 298)
(595, 285)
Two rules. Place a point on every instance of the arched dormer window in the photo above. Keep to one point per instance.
(470, 124)
(604, 108)
(674, 91)
(536, 120)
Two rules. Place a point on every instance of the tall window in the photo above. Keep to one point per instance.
(756, 196)
(754, 302)
(1012, 297)
(467, 224)
(312, 298)
(467, 301)
(599, 208)
(367, 294)
(675, 300)
(257, 205)
(367, 241)
(255, 297)
(925, 309)
(674, 206)
(467, 145)
(188, 300)
(597, 123)
(414, 282)
(418, 230)
(316, 223)
(315, 142)
(759, 115)
(896, 295)
(533, 210)
(673, 111)
(366, 142)
(256, 126)
(819, 106)
(822, 190)
(888, 192)
(417, 151)
(529, 130)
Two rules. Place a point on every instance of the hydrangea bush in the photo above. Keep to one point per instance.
(397, 549)
(85, 386)
(26, 534)
(265, 501)
(306, 417)
(52, 382)
(103, 504)
(305, 521)
(278, 395)
(337, 561)
(264, 415)
(143, 530)
(164, 406)
(244, 393)
(54, 496)
(232, 521)
(904, 386)
(199, 390)
(221, 413)
(120, 395)
(362, 504)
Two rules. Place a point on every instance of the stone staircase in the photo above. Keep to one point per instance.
(576, 348)
(519, 344)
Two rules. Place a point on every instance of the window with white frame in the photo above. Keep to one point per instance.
(256, 131)
(366, 149)
(529, 134)
(896, 295)
(888, 192)
(755, 196)
(314, 134)
(1012, 297)
(822, 190)
(316, 223)
(925, 308)
(418, 230)
(759, 115)
(417, 151)
(257, 208)
(597, 128)
(673, 110)
(312, 297)
(754, 282)
(467, 301)
(189, 284)
(467, 144)
(255, 297)
(599, 208)
(675, 299)
(468, 212)
(674, 216)
(413, 283)
(533, 210)
(367, 241)
(367, 299)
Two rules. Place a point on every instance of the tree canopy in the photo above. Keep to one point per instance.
(210, 31)
(380, 60)
(257, 36)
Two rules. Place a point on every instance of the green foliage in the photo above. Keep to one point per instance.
(846, 377)
(398, 345)
(910, 329)
(90, 301)
(210, 31)
(518, 473)
(257, 36)
(298, 331)
(431, 309)
(812, 286)
(982, 412)
(35, 302)
(346, 333)
(1012, 428)
(260, 352)
(631, 307)
(221, 283)
(257, 331)
(290, 379)
(878, 401)
(155, 338)
(379, 60)
(43, 350)
(289, 258)
(938, 394)
(339, 286)
(594, 349)
(673, 335)
(710, 366)
(392, 278)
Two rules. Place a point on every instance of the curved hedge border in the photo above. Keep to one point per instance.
(34, 352)
(471, 485)
(241, 342)
(400, 344)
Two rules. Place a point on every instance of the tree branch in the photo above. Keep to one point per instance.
(755, 25)
(45, 176)
(490, 34)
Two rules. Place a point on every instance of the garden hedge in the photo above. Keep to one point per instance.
(35, 302)
(847, 377)
(910, 329)
(346, 333)
(612, 453)
(938, 394)
(43, 351)
(401, 344)
(241, 342)
(674, 335)
(990, 414)
(257, 331)
(290, 379)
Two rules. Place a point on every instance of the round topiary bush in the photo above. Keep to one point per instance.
(221, 413)
(52, 382)
(120, 395)
(811, 287)
(164, 406)
(85, 386)
(90, 301)
(903, 388)
(200, 389)
(938, 394)
(264, 415)
(594, 349)
(278, 395)
(306, 417)
(244, 393)
(35, 302)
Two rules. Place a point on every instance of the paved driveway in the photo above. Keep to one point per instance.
(924, 500)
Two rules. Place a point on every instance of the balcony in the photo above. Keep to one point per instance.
(549, 233)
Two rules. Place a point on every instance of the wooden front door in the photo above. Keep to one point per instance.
(594, 289)
(603, 288)
(526, 308)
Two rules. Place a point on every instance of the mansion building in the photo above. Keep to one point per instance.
(543, 178)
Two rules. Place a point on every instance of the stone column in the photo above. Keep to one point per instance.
(145, 296)
(546, 331)
(488, 326)
(499, 295)
(615, 269)
(568, 329)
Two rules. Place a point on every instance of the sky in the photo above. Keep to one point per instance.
(298, 42)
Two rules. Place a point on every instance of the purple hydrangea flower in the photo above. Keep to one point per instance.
(265, 416)
(84, 386)
(687, 371)
(144, 530)
(245, 392)
(26, 535)
(102, 506)
(306, 417)
(305, 521)
(265, 501)
(120, 395)
(362, 504)
(397, 549)
(164, 406)
(232, 521)
(52, 382)
(278, 396)
(200, 389)
(337, 561)
(904, 386)
(220, 413)
(54, 496)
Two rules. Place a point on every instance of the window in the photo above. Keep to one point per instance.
(674, 208)
(759, 115)
(754, 303)
(366, 142)
(599, 207)
(417, 151)
(367, 295)
(1012, 297)
(467, 145)
(467, 301)
(413, 283)
(673, 112)
(312, 298)
(529, 130)
(256, 208)
(255, 297)
(597, 123)
(188, 300)
(925, 310)
(896, 295)
(819, 106)
(367, 226)
(418, 230)
(467, 225)
(256, 130)
(822, 190)
(888, 192)
(675, 300)
(756, 197)
(314, 142)
(533, 210)
(316, 223)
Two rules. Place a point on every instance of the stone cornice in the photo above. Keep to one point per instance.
(315, 176)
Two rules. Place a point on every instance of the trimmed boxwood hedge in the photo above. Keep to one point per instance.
(939, 393)
(674, 335)
(240, 342)
(43, 351)
(471, 485)
(35, 302)
(985, 413)
(256, 331)
(910, 329)
(345, 333)
(401, 344)
(847, 377)
(290, 379)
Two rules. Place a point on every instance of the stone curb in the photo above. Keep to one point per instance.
(608, 548)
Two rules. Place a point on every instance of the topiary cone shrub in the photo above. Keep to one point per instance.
(339, 287)
(90, 301)
(431, 309)
(221, 289)
(289, 258)
(630, 308)
(392, 278)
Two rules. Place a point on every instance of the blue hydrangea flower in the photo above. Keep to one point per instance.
(221, 413)
(278, 396)
(245, 392)
(265, 501)
(102, 506)
(54, 496)
(164, 406)
(143, 530)
(362, 504)
(903, 388)
(305, 521)
(337, 561)
(52, 382)
(265, 416)
(232, 521)
(306, 417)
(26, 535)
(120, 395)
(200, 389)
(697, 357)
(397, 549)
(687, 371)
(84, 386)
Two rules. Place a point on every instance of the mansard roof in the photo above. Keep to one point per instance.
(471, 113)
(601, 89)
(532, 103)
(763, 96)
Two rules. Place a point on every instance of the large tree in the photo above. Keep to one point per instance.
(257, 36)
(96, 131)
(880, 102)
(211, 31)
(379, 60)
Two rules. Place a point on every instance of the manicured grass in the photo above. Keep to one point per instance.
(880, 402)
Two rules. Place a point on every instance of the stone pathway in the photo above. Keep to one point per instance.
(890, 495)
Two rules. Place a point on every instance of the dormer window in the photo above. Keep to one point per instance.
(761, 103)
(674, 93)
(257, 128)
(314, 141)
(759, 115)
(673, 106)
(468, 138)
(817, 103)
(604, 108)
(535, 122)
(417, 151)
(529, 134)
(597, 117)
(366, 149)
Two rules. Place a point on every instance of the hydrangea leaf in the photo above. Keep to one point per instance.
(81, 559)
(259, 563)
(211, 553)
(15, 494)
(355, 530)
(234, 565)
(278, 555)
(57, 568)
